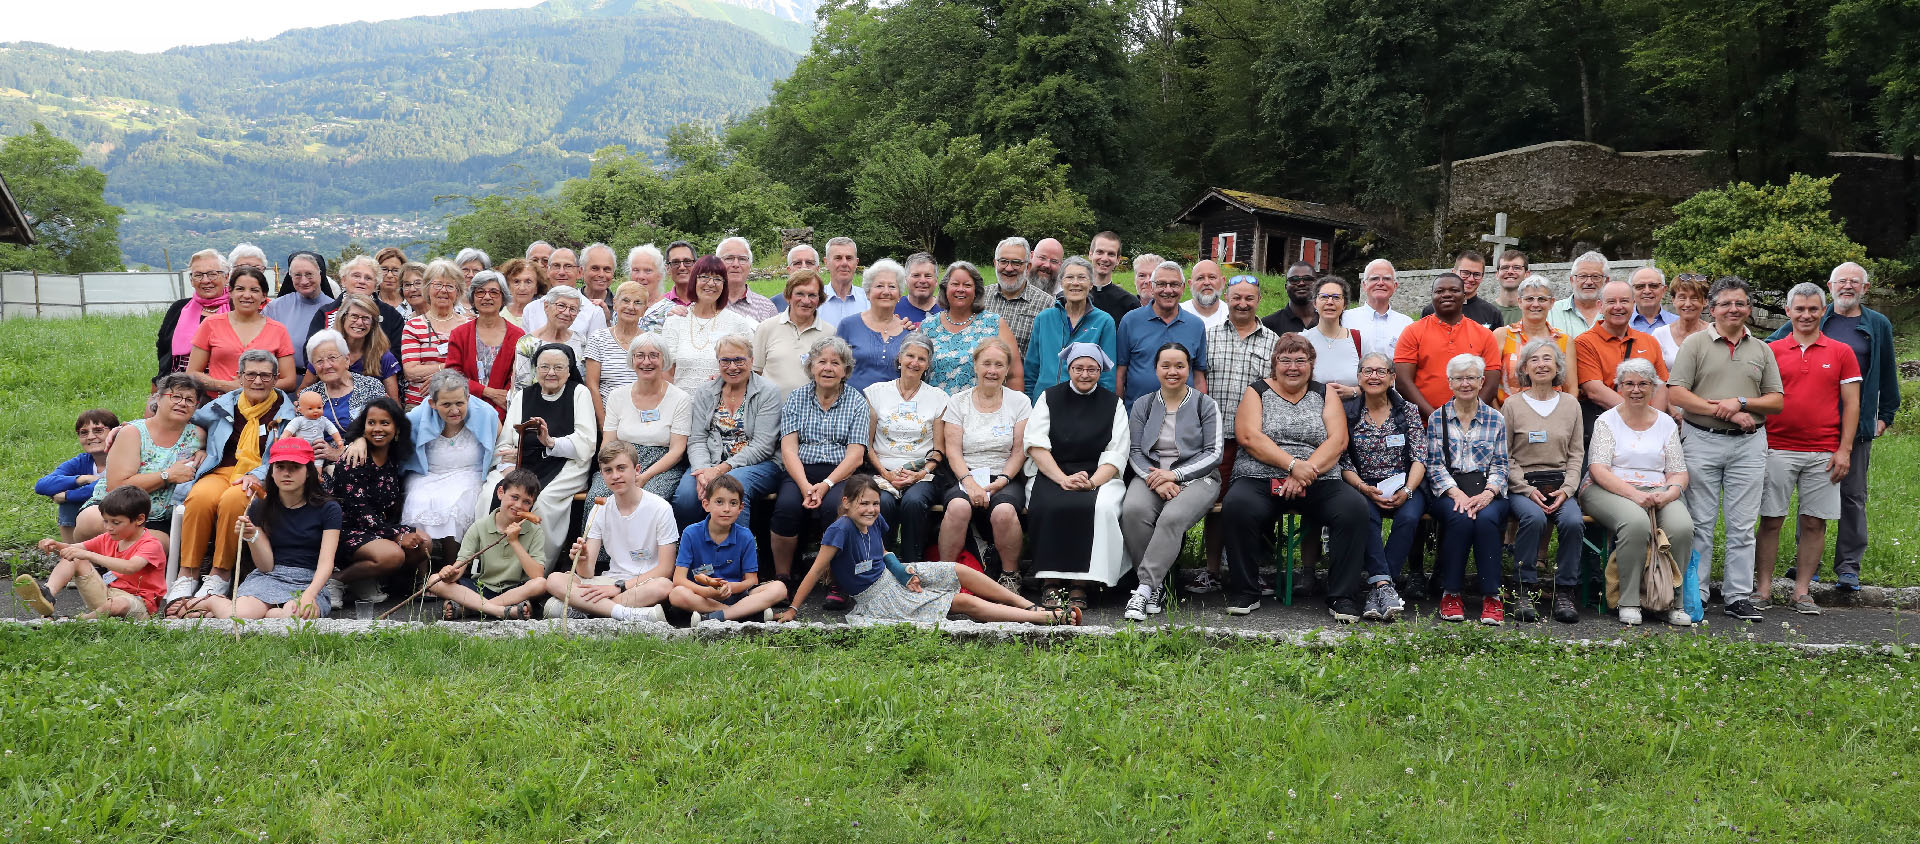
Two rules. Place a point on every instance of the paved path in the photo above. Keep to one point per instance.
(1836, 625)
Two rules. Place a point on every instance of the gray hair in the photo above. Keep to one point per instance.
(1526, 354)
(1146, 259)
(372, 265)
(1384, 358)
(443, 268)
(650, 252)
(1864, 276)
(566, 291)
(444, 380)
(722, 245)
(327, 336)
(652, 341)
(882, 266)
(1807, 288)
(1015, 240)
(1532, 281)
(1368, 269)
(257, 355)
(1636, 366)
(1080, 261)
(1466, 365)
(225, 266)
(799, 246)
(1657, 273)
(245, 250)
(611, 255)
(737, 341)
(914, 338)
(1590, 257)
(843, 240)
(472, 254)
(918, 258)
(530, 246)
(1168, 265)
(833, 345)
(486, 277)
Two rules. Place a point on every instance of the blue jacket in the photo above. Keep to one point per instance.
(1050, 335)
(482, 419)
(216, 418)
(61, 479)
(1879, 375)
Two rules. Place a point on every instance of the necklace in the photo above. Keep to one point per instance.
(698, 333)
(947, 317)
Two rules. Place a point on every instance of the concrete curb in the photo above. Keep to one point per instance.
(1871, 597)
(964, 631)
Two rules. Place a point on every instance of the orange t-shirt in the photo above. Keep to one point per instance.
(146, 584)
(1599, 354)
(224, 348)
(1429, 343)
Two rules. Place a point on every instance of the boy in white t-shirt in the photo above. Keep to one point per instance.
(641, 539)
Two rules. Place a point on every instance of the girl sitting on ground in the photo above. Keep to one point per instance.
(886, 591)
(292, 533)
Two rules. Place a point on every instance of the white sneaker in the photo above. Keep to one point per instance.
(1136, 605)
(1679, 618)
(1630, 616)
(367, 589)
(336, 592)
(213, 586)
(182, 587)
(653, 613)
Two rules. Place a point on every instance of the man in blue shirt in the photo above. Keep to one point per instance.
(1144, 330)
(1649, 290)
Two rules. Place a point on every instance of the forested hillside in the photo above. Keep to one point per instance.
(382, 118)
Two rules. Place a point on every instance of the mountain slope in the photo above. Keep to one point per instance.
(381, 118)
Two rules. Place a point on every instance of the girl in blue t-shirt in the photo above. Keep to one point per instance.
(886, 591)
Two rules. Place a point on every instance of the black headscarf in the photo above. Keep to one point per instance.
(286, 280)
(558, 412)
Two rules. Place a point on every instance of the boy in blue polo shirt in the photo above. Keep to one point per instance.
(717, 575)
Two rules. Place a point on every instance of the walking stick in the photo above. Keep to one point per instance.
(573, 578)
(528, 516)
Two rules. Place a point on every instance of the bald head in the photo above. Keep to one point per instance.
(1616, 306)
(1206, 283)
(1044, 265)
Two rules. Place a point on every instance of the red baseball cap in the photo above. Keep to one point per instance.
(290, 450)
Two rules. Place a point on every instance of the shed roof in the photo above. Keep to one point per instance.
(13, 223)
(1273, 206)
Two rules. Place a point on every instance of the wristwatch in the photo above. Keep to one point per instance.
(1743, 402)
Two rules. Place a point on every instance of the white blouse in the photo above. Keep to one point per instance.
(673, 415)
(903, 428)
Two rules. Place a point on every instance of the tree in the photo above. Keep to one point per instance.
(921, 186)
(65, 204)
(1774, 236)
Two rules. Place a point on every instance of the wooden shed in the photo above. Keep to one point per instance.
(1265, 233)
(14, 227)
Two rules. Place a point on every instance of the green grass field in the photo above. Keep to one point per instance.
(122, 733)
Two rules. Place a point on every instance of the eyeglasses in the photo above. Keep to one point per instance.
(1375, 370)
(1332, 297)
(1589, 276)
(180, 399)
(716, 279)
(255, 376)
(1293, 361)
(1008, 262)
(390, 271)
(486, 291)
(556, 265)
(357, 319)
(1470, 273)
(733, 361)
(208, 275)
(681, 262)
(551, 367)
(1464, 379)
(1294, 278)
(1731, 304)
(733, 259)
(442, 285)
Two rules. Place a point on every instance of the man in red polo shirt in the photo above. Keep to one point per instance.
(1810, 444)
(1599, 352)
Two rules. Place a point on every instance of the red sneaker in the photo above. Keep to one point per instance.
(1451, 609)
(1492, 613)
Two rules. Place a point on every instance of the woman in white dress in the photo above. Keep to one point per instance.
(560, 444)
(690, 338)
(1077, 447)
(453, 434)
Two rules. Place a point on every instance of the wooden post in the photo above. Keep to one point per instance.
(37, 312)
(1257, 256)
(167, 257)
(81, 278)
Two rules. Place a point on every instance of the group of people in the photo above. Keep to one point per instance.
(537, 440)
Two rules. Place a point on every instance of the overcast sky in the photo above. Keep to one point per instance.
(150, 26)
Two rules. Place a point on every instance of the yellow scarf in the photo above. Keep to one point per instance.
(249, 450)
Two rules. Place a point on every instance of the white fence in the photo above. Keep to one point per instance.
(49, 296)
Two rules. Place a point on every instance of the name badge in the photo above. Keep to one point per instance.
(981, 476)
(1396, 440)
(1003, 430)
(650, 415)
(704, 568)
(1536, 436)
(863, 567)
(909, 407)
(634, 555)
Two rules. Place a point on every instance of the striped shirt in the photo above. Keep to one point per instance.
(1479, 448)
(825, 434)
(1234, 363)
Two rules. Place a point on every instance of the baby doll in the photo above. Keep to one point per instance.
(311, 425)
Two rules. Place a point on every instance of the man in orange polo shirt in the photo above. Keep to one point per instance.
(1601, 350)
(1421, 354)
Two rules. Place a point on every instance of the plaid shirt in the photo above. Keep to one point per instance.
(825, 434)
(1019, 313)
(1484, 449)
(1233, 364)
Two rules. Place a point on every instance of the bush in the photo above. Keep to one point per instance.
(1774, 236)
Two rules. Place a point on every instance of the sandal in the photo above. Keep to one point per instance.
(522, 611)
(452, 611)
(1069, 615)
(1077, 600)
(1053, 598)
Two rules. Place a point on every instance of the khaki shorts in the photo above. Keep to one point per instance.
(139, 607)
(1803, 470)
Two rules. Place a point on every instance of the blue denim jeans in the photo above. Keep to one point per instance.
(1526, 539)
(1387, 558)
(758, 479)
(1482, 534)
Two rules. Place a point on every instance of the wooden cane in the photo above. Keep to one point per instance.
(528, 516)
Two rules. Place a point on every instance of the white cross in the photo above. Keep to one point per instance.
(1499, 238)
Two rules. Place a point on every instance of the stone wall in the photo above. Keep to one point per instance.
(1560, 175)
